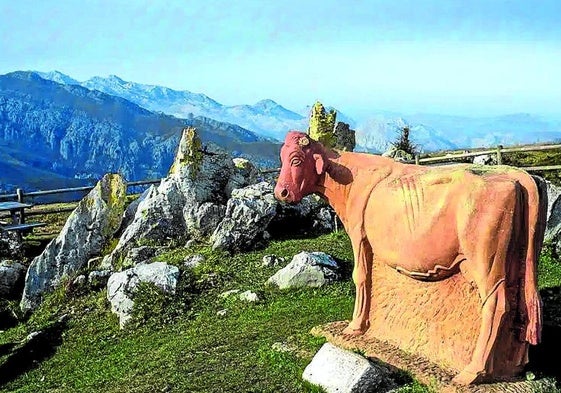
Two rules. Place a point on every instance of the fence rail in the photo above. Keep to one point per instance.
(20, 195)
(498, 152)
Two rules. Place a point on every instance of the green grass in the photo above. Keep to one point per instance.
(184, 346)
(549, 268)
(180, 344)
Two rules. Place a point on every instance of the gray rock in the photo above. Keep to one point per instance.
(340, 371)
(12, 274)
(244, 174)
(99, 278)
(202, 223)
(272, 261)
(11, 245)
(248, 213)
(131, 209)
(345, 137)
(311, 216)
(140, 254)
(485, 159)
(158, 219)
(306, 269)
(87, 230)
(249, 296)
(553, 227)
(172, 211)
(79, 281)
(192, 261)
(121, 286)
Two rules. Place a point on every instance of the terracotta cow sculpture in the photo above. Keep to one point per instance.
(431, 223)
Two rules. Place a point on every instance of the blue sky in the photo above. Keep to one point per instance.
(447, 56)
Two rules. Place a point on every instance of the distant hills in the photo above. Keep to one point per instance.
(269, 119)
(65, 133)
(266, 117)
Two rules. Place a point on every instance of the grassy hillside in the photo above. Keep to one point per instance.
(181, 344)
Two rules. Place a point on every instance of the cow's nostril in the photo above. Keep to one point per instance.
(284, 193)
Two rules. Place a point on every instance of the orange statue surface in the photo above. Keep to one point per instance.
(445, 257)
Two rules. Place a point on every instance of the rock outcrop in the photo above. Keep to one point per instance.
(307, 269)
(338, 370)
(88, 229)
(12, 274)
(186, 203)
(11, 246)
(553, 228)
(344, 137)
(122, 286)
(248, 213)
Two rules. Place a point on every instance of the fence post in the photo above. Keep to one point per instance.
(19, 193)
(416, 159)
(499, 155)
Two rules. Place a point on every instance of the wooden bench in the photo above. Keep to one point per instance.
(21, 227)
(17, 214)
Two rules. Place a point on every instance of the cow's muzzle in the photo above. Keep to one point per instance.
(282, 194)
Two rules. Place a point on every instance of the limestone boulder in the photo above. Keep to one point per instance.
(186, 204)
(12, 274)
(312, 216)
(553, 228)
(344, 137)
(11, 246)
(157, 220)
(121, 286)
(86, 232)
(307, 269)
(244, 174)
(248, 213)
(485, 159)
(338, 370)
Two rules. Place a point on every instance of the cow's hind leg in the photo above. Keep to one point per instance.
(362, 277)
(486, 266)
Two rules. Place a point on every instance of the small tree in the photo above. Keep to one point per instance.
(404, 144)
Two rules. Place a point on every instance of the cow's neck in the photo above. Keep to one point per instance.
(342, 171)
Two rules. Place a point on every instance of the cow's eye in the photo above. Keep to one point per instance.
(295, 161)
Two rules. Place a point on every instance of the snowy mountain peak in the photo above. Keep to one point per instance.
(57, 76)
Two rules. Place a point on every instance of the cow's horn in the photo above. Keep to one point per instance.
(304, 141)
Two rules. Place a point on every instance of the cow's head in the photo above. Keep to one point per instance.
(303, 163)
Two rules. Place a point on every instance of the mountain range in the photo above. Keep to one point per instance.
(375, 133)
(55, 130)
(65, 132)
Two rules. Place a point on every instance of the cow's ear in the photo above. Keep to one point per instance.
(320, 163)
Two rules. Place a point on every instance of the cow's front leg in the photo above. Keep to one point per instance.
(362, 278)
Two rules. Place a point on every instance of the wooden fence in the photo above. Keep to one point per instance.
(27, 197)
(22, 196)
(498, 152)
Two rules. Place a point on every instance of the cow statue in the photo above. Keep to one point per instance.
(430, 223)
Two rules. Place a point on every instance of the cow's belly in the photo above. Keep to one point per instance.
(425, 246)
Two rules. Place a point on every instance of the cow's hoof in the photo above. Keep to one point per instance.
(466, 377)
(350, 330)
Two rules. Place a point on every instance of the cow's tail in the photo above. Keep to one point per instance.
(536, 221)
